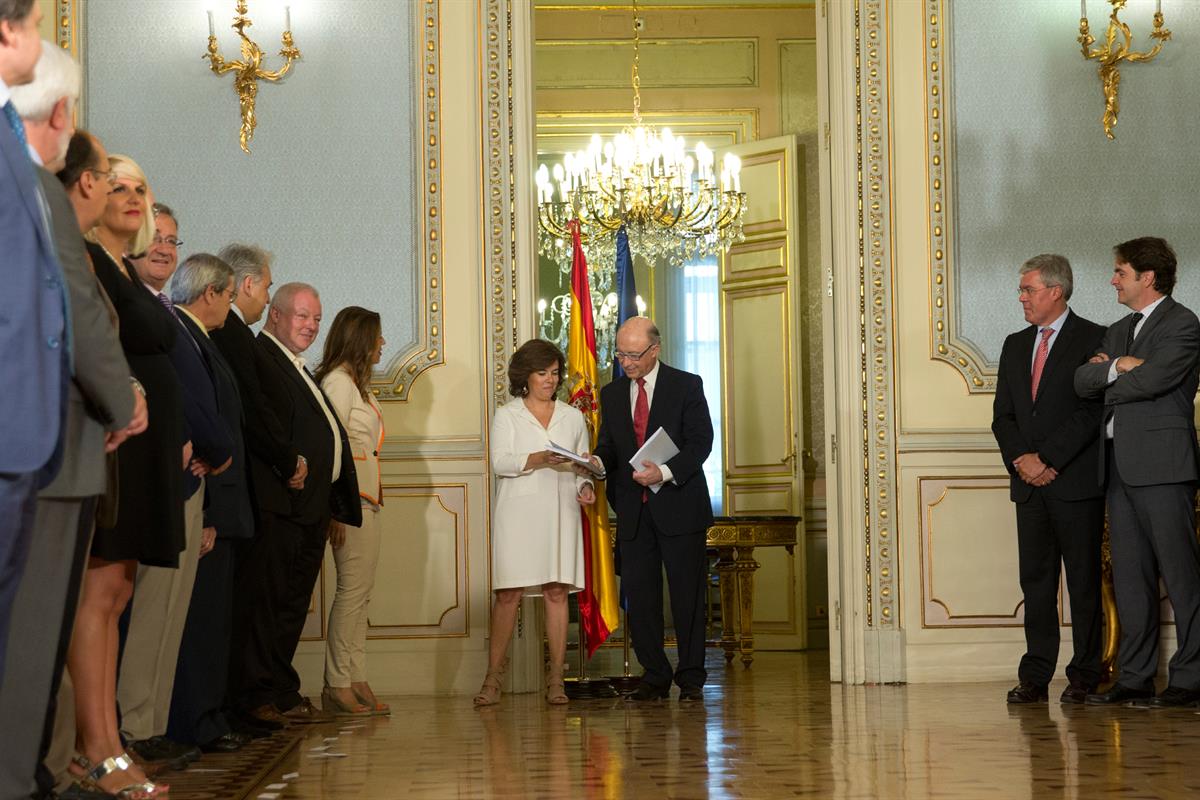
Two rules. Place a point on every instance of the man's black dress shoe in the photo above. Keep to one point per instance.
(645, 692)
(1076, 693)
(1176, 697)
(1117, 695)
(163, 750)
(691, 694)
(1024, 693)
(229, 743)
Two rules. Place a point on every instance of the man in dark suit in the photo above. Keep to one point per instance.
(1147, 371)
(35, 337)
(283, 565)
(202, 291)
(1047, 438)
(103, 409)
(160, 597)
(663, 510)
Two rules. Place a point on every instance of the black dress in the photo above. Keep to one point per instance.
(149, 525)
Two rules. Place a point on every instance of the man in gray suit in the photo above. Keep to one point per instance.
(1147, 371)
(103, 410)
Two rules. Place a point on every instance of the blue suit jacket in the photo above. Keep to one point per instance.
(34, 338)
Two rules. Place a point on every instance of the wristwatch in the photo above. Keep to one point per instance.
(137, 386)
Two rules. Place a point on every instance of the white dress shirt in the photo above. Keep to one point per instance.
(1057, 325)
(1112, 367)
(298, 363)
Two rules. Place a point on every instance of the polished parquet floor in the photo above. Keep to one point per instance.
(777, 730)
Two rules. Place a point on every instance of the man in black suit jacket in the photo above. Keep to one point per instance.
(1047, 437)
(202, 291)
(1147, 372)
(293, 522)
(663, 510)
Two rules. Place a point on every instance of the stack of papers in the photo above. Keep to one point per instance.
(573, 456)
(658, 449)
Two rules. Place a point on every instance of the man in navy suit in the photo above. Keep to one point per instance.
(202, 291)
(1047, 437)
(663, 510)
(35, 360)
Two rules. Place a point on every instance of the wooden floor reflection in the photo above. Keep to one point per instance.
(777, 730)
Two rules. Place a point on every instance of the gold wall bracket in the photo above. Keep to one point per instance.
(1112, 54)
(248, 71)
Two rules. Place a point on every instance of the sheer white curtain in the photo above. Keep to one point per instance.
(690, 323)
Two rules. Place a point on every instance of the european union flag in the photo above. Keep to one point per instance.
(626, 290)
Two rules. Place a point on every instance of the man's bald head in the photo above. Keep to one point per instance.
(637, 346)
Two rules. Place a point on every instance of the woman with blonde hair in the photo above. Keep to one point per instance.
(354, 346)
(537, 530)
(148, 525)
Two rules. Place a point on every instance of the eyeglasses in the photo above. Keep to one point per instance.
(632, 356)
(1029, 291)
(171, 240)
(109, 177)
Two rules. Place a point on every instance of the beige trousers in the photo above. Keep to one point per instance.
(160, 605)
(346, 648)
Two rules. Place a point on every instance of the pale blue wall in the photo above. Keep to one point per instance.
(329, 186)
(1032, 170)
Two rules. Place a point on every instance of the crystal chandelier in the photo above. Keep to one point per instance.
(674, 205)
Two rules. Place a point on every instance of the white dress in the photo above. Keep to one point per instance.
(537, 533)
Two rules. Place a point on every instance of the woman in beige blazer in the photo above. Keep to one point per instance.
(354, 346)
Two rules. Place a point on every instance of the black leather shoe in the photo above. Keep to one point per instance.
(1176, 697)
(1119, 695)
(160, 749)
(247, 728)
(645, 692)
(691, 694)
(229, 743)
(1024, 693)
(1076, 693)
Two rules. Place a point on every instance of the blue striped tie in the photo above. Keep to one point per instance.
(14, 122)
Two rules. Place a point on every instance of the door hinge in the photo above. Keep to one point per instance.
(826, 135)
(833, 448)
(837, 615)
(824, 6)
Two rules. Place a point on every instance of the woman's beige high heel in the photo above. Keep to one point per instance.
(332, 704)
(493, 682)
(555, 693)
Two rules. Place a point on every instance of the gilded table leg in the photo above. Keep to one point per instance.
(746, 565)
(1108, 604)
(725, 567)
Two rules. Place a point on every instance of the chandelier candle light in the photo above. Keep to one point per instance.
(674, 205)
(1112, 54)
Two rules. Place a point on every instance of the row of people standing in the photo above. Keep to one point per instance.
(226, 464)
(1088, 417)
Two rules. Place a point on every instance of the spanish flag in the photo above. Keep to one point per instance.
(598, 600)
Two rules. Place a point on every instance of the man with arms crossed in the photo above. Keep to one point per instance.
(1047, 437)
(1146, 372)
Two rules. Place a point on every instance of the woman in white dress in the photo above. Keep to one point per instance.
(537, 533)
(353, 348)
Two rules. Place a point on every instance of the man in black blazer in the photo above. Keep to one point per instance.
(293, 522)
(1047, 437)
(202, 291)
(1147, 372)
(663, 510)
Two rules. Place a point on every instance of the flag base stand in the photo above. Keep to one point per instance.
(625, 684)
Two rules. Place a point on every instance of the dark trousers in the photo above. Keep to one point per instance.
(1053, 534)
(43, 613)
(643, 559)
(276, 580)
(18, 501)
(198, 697)
(1152, 533)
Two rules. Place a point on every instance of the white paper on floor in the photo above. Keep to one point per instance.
(291, 776)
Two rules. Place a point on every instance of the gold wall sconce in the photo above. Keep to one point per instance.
(248, 71)
(1112, 54)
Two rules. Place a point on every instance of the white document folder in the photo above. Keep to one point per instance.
(658, 449)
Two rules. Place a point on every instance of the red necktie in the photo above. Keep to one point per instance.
(641, 413)
(1039, 361)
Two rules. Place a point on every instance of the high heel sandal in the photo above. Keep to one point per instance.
(376, 708)
(555, 694)
(330, 702)
(489, 693)
(94, 773)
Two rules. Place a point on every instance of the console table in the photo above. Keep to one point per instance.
(734, 539)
